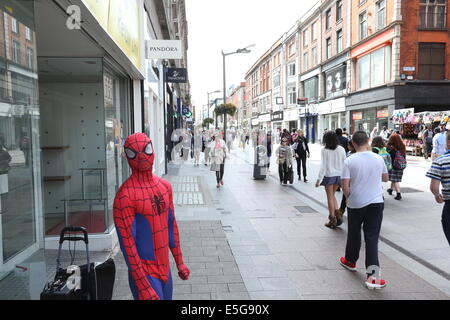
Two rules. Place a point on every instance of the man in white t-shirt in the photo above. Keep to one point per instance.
(362, 178)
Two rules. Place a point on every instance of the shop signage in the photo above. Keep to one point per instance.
(264, 117)
(357, 115)
(332, 106)
(121, 19)
(336, 79)
(279, 100)
(255, 121)
(163, 49)
(291, 114)
(383, 113)
(277, 116)
(176, 75)
(409, 69)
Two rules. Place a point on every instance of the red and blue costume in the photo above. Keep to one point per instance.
(146, 226)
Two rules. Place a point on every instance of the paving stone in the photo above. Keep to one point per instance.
(237, 287)
(209, 288)
(275, 295)
(230, 296)
(225, 279)
(192, 296)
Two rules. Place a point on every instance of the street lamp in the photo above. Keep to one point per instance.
(243, 50)
(209, 102)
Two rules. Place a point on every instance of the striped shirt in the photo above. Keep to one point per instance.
(440, 170)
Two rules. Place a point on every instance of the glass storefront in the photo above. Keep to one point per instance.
(83, 122)
(20, 197)
(368, 119)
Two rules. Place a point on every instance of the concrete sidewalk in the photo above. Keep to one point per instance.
(259, 240)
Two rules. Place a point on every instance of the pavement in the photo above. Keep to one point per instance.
(258, 240)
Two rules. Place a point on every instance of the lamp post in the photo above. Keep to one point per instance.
(243, 50)
(209, 102)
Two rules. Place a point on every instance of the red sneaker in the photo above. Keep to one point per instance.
(347, 265)
(374, 283)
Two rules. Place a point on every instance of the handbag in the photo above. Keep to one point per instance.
(215, 166)
(399, 161)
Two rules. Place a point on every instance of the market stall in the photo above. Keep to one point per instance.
(411, 125)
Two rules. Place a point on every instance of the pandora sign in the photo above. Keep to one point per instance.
(163, 49)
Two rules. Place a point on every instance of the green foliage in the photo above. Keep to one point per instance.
(207, 121)
(227, 108)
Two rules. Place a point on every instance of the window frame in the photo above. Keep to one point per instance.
(328, 19)
(339, 10)
(378, 10)
(430, 46)
(328, 48)
(427, 5)
(360, 24)
(339, 40)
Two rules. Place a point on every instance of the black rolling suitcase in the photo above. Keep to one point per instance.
(91, 281)
(260, 166)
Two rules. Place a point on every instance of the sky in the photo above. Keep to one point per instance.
(216, 25)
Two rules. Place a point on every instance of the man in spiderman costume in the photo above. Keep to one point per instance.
(146, 226)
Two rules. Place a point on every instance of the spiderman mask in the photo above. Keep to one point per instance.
(139, 152)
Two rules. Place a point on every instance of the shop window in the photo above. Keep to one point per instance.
(433, 14)
(431, 61)
(374, 69)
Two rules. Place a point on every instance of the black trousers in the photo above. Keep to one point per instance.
(219, 174)
(301, 160)
(283, 172)
(446, 220)
(370, 218)
(343, 203)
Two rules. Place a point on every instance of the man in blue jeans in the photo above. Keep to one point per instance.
(361, 180)
(440, 174)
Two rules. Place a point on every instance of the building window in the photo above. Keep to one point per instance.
(16, 52)
(431, 61)
(276, 80)
(381, 14)
(305, 61)
(362, 25)
(28, 34)
(305, 38)
(30, 58)
(291, 69)
(433, 14)
(314, 32)
(314, 56)
(339, 41)
(328, 19)
(292, 95)
(14, 25)
(292, 49)
(339, 10)
(374, 69)
(328, 48)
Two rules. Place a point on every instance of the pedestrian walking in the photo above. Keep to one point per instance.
(287, 135)
(197, 146)
(427, 137)
(301, 152)
(219, 153)
(379, 148)
(207, 151)
(351, 151)
(293, 135)
(384, 134)
(284, 160)
(362, 176)
(269, 149)
(397, 150)
(343, 141)
(439, 144)
(332, 161)
(439, 173)
(344, 132)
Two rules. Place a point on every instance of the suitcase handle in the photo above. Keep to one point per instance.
(62, 238)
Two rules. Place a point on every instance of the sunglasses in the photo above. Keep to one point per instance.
(131, 154)
(284, 140)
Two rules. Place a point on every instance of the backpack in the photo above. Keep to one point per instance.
(399, 161)
(386, 157)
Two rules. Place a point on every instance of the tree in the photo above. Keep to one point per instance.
(227, 108)
(207, 122)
